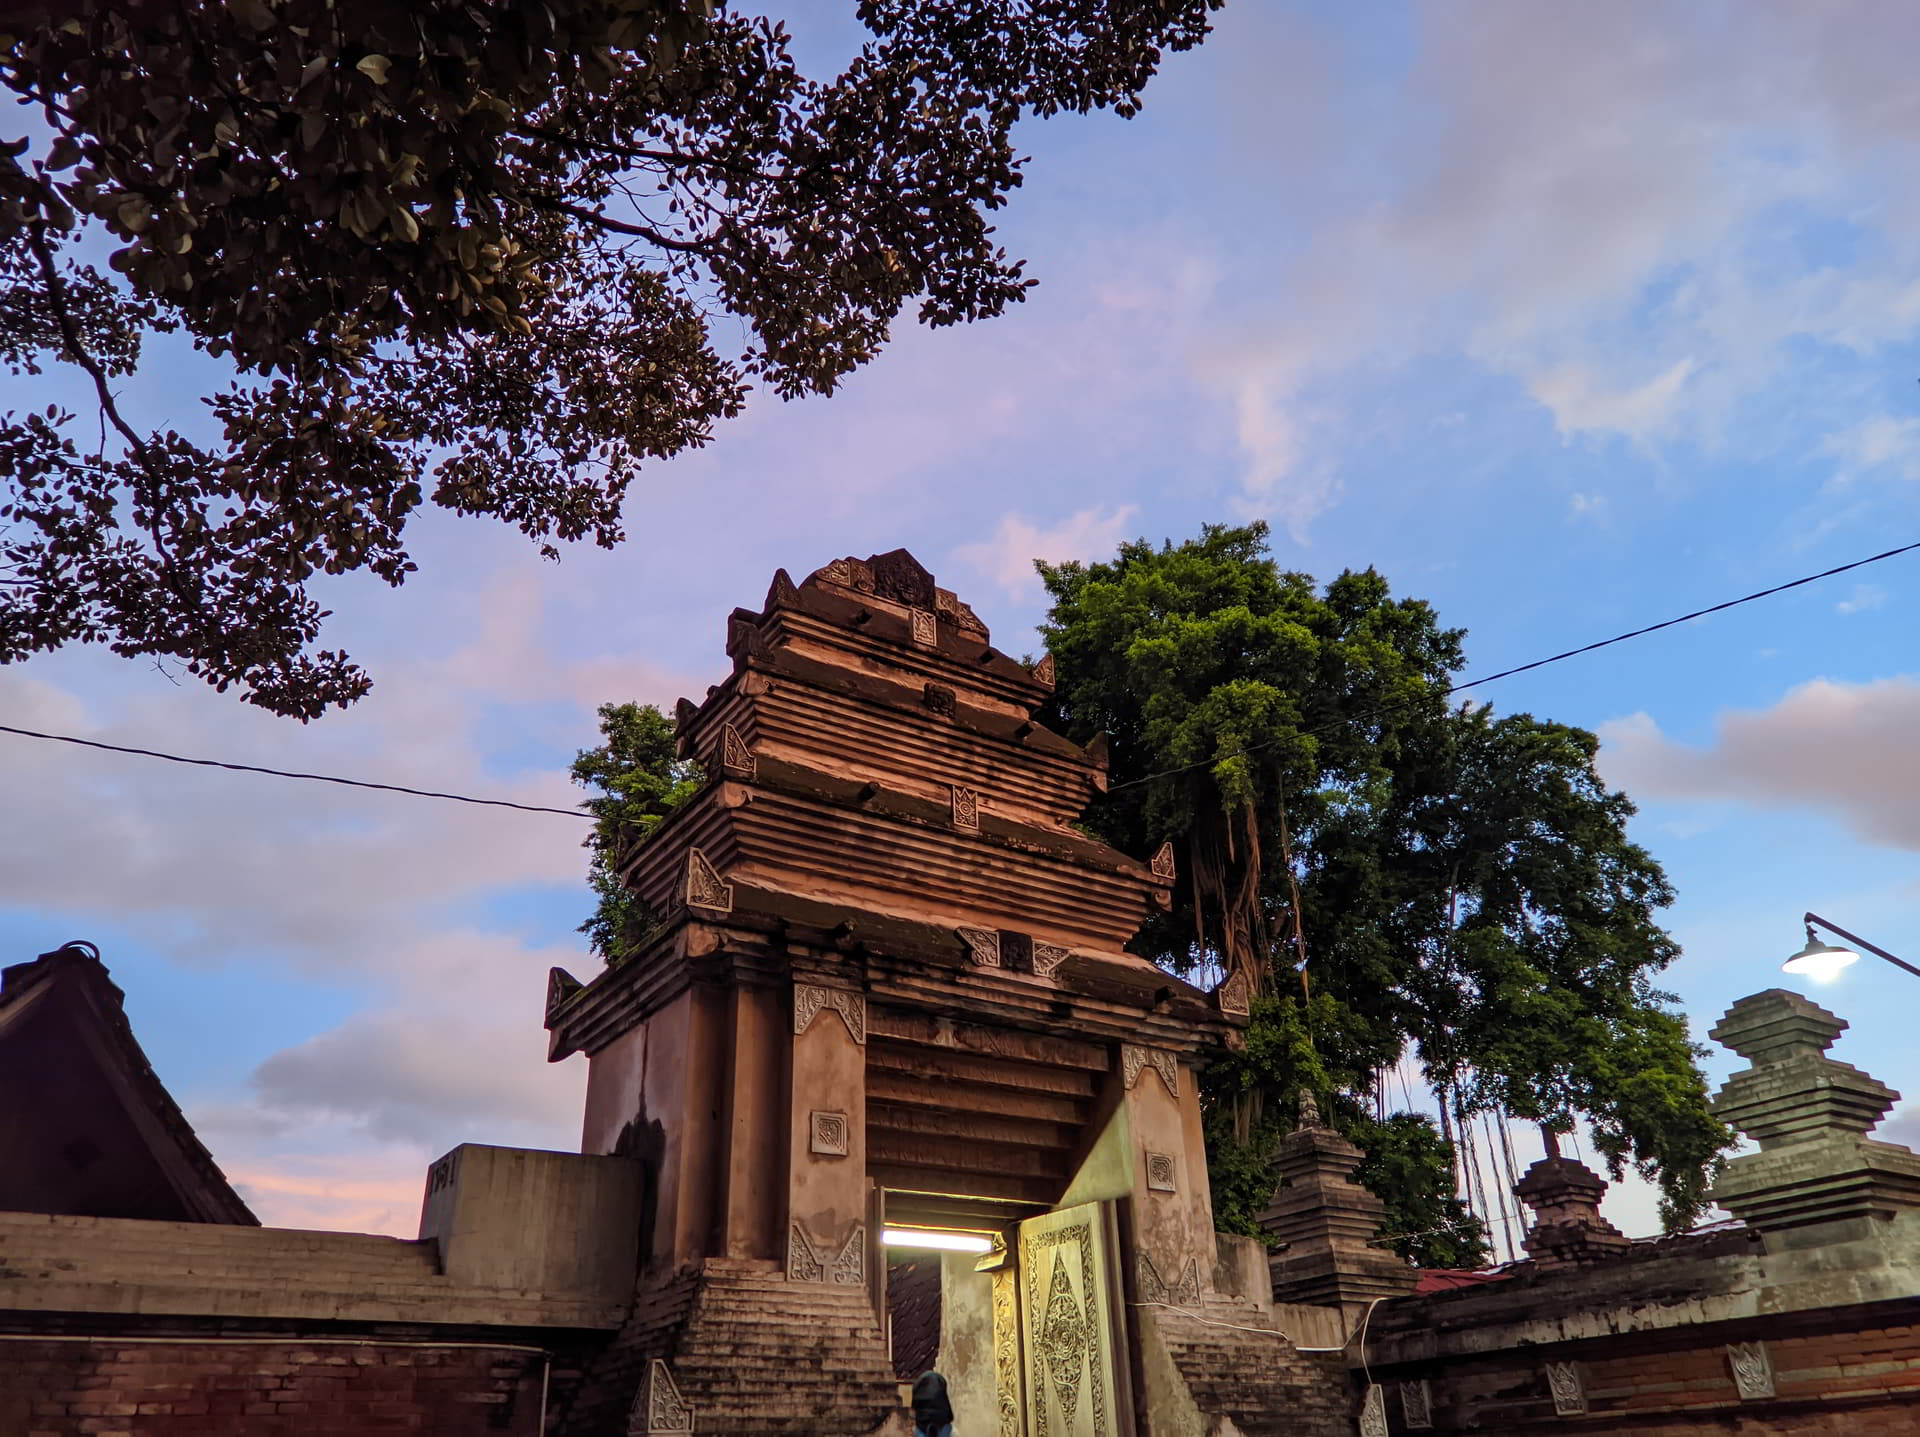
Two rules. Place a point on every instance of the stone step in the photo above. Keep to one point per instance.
(1258, 1379)
(708, 1351)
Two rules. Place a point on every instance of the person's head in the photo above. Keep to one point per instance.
(930, 1390)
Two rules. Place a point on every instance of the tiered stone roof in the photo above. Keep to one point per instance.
(883, 815)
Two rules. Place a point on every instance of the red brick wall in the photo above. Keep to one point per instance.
(106, 1387)
(1845, 1383)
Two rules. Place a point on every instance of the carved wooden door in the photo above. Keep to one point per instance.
(1072, 1325)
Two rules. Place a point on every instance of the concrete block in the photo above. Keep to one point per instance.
(533, 1221)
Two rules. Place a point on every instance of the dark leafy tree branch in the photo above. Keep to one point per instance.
(466, 253)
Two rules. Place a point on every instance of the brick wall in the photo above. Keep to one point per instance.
(109, 1387)
(1842, 1382)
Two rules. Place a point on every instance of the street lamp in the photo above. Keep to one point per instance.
(1823, 962)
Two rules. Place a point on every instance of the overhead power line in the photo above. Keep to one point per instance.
(1556, 658)
(1130, 783)
(288, 773)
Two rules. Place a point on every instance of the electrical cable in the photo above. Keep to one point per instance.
(288, 773)
(1130, 783)
(1538, 663)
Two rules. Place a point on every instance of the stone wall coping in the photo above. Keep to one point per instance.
(1714, 1278)
(86, 1265)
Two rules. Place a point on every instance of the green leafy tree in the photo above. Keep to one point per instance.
(1389, 871)
(637, 781)
(1410, 1167)
(464, 252)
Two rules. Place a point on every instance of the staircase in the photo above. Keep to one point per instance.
(783, 1357)
(750, 1353)
(1256, 1379)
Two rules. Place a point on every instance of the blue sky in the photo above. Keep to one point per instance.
(1566, 318)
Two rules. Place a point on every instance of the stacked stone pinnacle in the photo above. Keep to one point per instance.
(1328, 1223)
(1565, 1198)
(1811, 1115)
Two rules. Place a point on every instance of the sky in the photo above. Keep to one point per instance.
(1567, 318)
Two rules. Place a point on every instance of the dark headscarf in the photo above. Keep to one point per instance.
(931, 1409)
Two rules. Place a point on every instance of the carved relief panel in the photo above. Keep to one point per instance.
(1135, 1059)
(809, 1260)
(1067, 1312)
(1416, 1405)
(1009, 1406)
(658, 1407)
(1752, 1370)
(1569, 1394)
(1373, 1412)
(809, 1000)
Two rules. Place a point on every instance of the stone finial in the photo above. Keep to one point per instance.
(1309, 1110)
(1810, 1115)
(1565, 1198)
(1328, 1223)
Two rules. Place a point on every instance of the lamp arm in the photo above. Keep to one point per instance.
(1859, 942)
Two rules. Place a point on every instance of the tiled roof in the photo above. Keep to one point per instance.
(101, 1135)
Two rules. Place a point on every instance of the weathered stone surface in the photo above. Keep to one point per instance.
(1805, 1322)
(1238, 1368)
(55, 1264)
(1810, 1114)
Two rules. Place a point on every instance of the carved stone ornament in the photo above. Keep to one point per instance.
(704, 886)
(1154, 1288)
(806, 1263)
(850, 1266)
(1569, 1396)
(735, 756)
(966, 809)
(983, 946)
(1006, 1351)
(1043, 671)
(1016, 951)
(925, 628)
(684, 712)
(1160, 1173)
(1309, 1110)
(1752, 1370)
(780, 593)
(1161, 864)
(840, 571)
(1063, 1339)
(948, 605)
(1236, 994)
(829, 1134)
(803, 1260)
(743, 636)
(658, 1406)
(898, 576)
(1133, 1059)
(1046, 958)
(1373, 1412)
(561, 986)
(940, 699)
(809, 999)
(1416, 1405)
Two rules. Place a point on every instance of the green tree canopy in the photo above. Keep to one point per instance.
(636, 781)
(464, 252)
(1395, 874)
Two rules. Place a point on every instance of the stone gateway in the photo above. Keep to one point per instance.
(888, 990)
